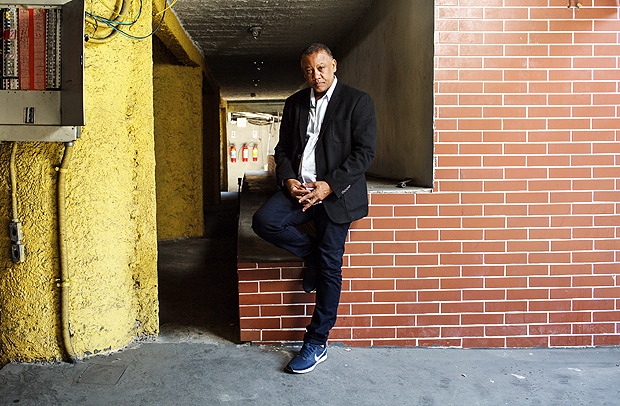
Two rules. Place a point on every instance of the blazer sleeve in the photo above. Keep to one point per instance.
(363, 146)
(283, 152)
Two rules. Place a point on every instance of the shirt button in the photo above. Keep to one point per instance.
(299, 156)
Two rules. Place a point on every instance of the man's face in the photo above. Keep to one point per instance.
(319, 69)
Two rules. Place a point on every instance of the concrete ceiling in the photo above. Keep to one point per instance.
(266, 67)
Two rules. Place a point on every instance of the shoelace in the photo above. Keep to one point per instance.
(308, 349)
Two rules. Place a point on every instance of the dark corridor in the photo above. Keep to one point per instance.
(198, 293)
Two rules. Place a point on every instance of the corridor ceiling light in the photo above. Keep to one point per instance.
(256, 30)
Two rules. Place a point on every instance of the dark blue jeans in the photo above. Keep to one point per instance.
(276, 222)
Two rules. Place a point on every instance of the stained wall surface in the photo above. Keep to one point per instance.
(110, 217)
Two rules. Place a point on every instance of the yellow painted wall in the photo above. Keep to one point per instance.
(110, 216)
(177, 100)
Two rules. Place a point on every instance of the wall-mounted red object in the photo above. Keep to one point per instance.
(244, 153)
(255, 153)
(233, 153)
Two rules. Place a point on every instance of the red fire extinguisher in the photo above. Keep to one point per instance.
(244, 152)
(233, 153)
(255, 153)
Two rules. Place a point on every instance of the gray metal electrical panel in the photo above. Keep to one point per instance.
(42, 75)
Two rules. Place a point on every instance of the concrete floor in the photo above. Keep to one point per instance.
(198, 361)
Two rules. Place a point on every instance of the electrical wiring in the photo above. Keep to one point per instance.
(167, 7)
(114, 24)
(134, 19)
(124, 33)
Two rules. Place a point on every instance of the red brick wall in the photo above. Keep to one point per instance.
(517, 244)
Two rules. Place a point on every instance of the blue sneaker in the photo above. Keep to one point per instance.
(309, 357)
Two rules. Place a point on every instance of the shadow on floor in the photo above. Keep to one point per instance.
(198, 291)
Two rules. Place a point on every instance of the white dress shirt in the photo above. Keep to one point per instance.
(307, 173)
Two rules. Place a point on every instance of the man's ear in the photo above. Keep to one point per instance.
(335, 65)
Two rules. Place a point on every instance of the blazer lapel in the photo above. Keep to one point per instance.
(304, 113)
(331, 107)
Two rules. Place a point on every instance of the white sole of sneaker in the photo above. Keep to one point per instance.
(305, 371)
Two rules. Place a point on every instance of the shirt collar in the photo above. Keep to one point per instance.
(328, 94)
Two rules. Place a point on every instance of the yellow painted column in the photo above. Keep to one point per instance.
(111, 217)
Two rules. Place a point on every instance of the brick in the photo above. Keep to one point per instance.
(525, 99)
(527, 50)
(573, 245)
(417, 259)
(395, 297)
(525, 25)
(505, 87)
(593, 232)
(261, 298)
(374, 235)
(480, 50)
(417, 308)
(570, 317)
(550, 233)
(606, 268)
(598, 328)
(613, 316)
(250, 335)
(593, 257)
(484, 294)
(549, 258)
(485, 75)
(372, 260)
(301, 298)
(571, 269)
(571, 221)
(374, 332)
(479, 25)
(462, 307)
(417, 284)
(483, 342)
(573, 50)
(529, 221)
(485, 197)
(570, 197)
(506, 234)
(438, 271)
(415, 211)
(398, 247)
(526, 342)
(570, 75)
(460, 259)
(571, 25)
(550, 209)
(392, 198)
(462, 331)
(260, 323)
(569, 99)
(594, 62)
(518, 294)
(571, 293)
(417, 235)
(505, 330)
(259, 275)
(439, 295)
(570, 341)
(394, 223)
(483, 222)
(551, 281)
(611, 293)
(483, 270)
(607, 340)
(484, 246)
(439, 246)
(550, 306)
(417, 332)
(505, 210)
(550, 329)
(438, 320)
(372, 308)
(356, 272)
(395, 321)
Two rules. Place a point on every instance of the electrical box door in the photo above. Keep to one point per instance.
(42, 75)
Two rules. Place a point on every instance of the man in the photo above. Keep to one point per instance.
(327, 142)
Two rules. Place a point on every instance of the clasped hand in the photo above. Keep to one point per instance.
(308, 194)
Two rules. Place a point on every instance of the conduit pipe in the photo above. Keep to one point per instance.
(13, 171)
(62, 248)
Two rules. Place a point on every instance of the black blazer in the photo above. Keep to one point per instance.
(345, 148)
